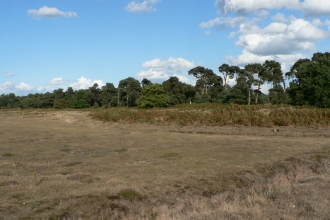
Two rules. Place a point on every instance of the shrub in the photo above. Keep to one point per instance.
(153, 96)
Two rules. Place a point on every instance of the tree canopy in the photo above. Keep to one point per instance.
(307, 83)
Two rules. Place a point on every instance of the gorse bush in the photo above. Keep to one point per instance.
(220, 115)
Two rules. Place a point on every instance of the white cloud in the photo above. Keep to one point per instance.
(246, 58)
(9, 74)
(56, 81)
(244, 7)
(279, 17)
(24, 87)
(50, 13)
(20, 89)
(222, 23)
(280, 38)
(163, 69)
(145, 6)
(284, 39)
(313, 8)
(83, 83)
(7, 87)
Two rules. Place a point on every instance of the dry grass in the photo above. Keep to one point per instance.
(220, 115)
(63, 165)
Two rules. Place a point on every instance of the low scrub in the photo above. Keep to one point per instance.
(220, 115)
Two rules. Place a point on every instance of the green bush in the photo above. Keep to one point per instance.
(153, 96)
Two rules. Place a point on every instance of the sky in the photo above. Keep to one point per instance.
(46, 45)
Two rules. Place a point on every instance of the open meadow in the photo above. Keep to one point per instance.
(68, 165)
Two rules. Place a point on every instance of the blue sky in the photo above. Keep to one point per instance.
(45, 45)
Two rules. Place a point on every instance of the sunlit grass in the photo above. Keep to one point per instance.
(220, 115)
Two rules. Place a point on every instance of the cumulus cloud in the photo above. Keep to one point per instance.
(56, 81)
(20, 89)
(84, 83)
(50, 13)
(24, 87)
(139, 7)
(163, 69)
(281, 38)
(285, 38)
(7, 87)
(316, 8)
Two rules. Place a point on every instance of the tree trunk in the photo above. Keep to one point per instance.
(256, 101)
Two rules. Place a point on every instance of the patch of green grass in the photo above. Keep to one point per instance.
(65, 150)
(6, 174)
(8, 155)
(72, 164)
(129, 194)
(121, 150)
(170, 154)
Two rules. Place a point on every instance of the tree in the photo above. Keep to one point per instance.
(175, 90)
(274, 75)
(145, 82)
(129, 91)
(228, 72)
(203, 76)
(81, 99)
(310, 83)
(153, 96)
(241, 91)
(257, 73)
(93, 95)
(215, 87)
(47, 100)
(108, 95)
(9, 101)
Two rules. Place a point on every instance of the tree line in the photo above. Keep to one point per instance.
(307, 83)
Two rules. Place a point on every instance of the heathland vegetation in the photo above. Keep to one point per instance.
(306, 84)
(218, 154)
(64, 165)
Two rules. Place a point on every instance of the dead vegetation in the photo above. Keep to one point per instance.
(63, 165)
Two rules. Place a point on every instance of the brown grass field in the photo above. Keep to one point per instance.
(65, 165)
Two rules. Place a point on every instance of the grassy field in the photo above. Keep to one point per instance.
(66, 165)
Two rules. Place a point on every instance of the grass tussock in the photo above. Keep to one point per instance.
(8, 155)
(220, 115)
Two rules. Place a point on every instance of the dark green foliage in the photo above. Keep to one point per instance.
(153, 96)
(175, 90)
(81, 100)
(311, 81)
(129, 91)
(203, 76)
(9, 101)
(47, 100)
(145, 82)
(108, 95)
(93, 94)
